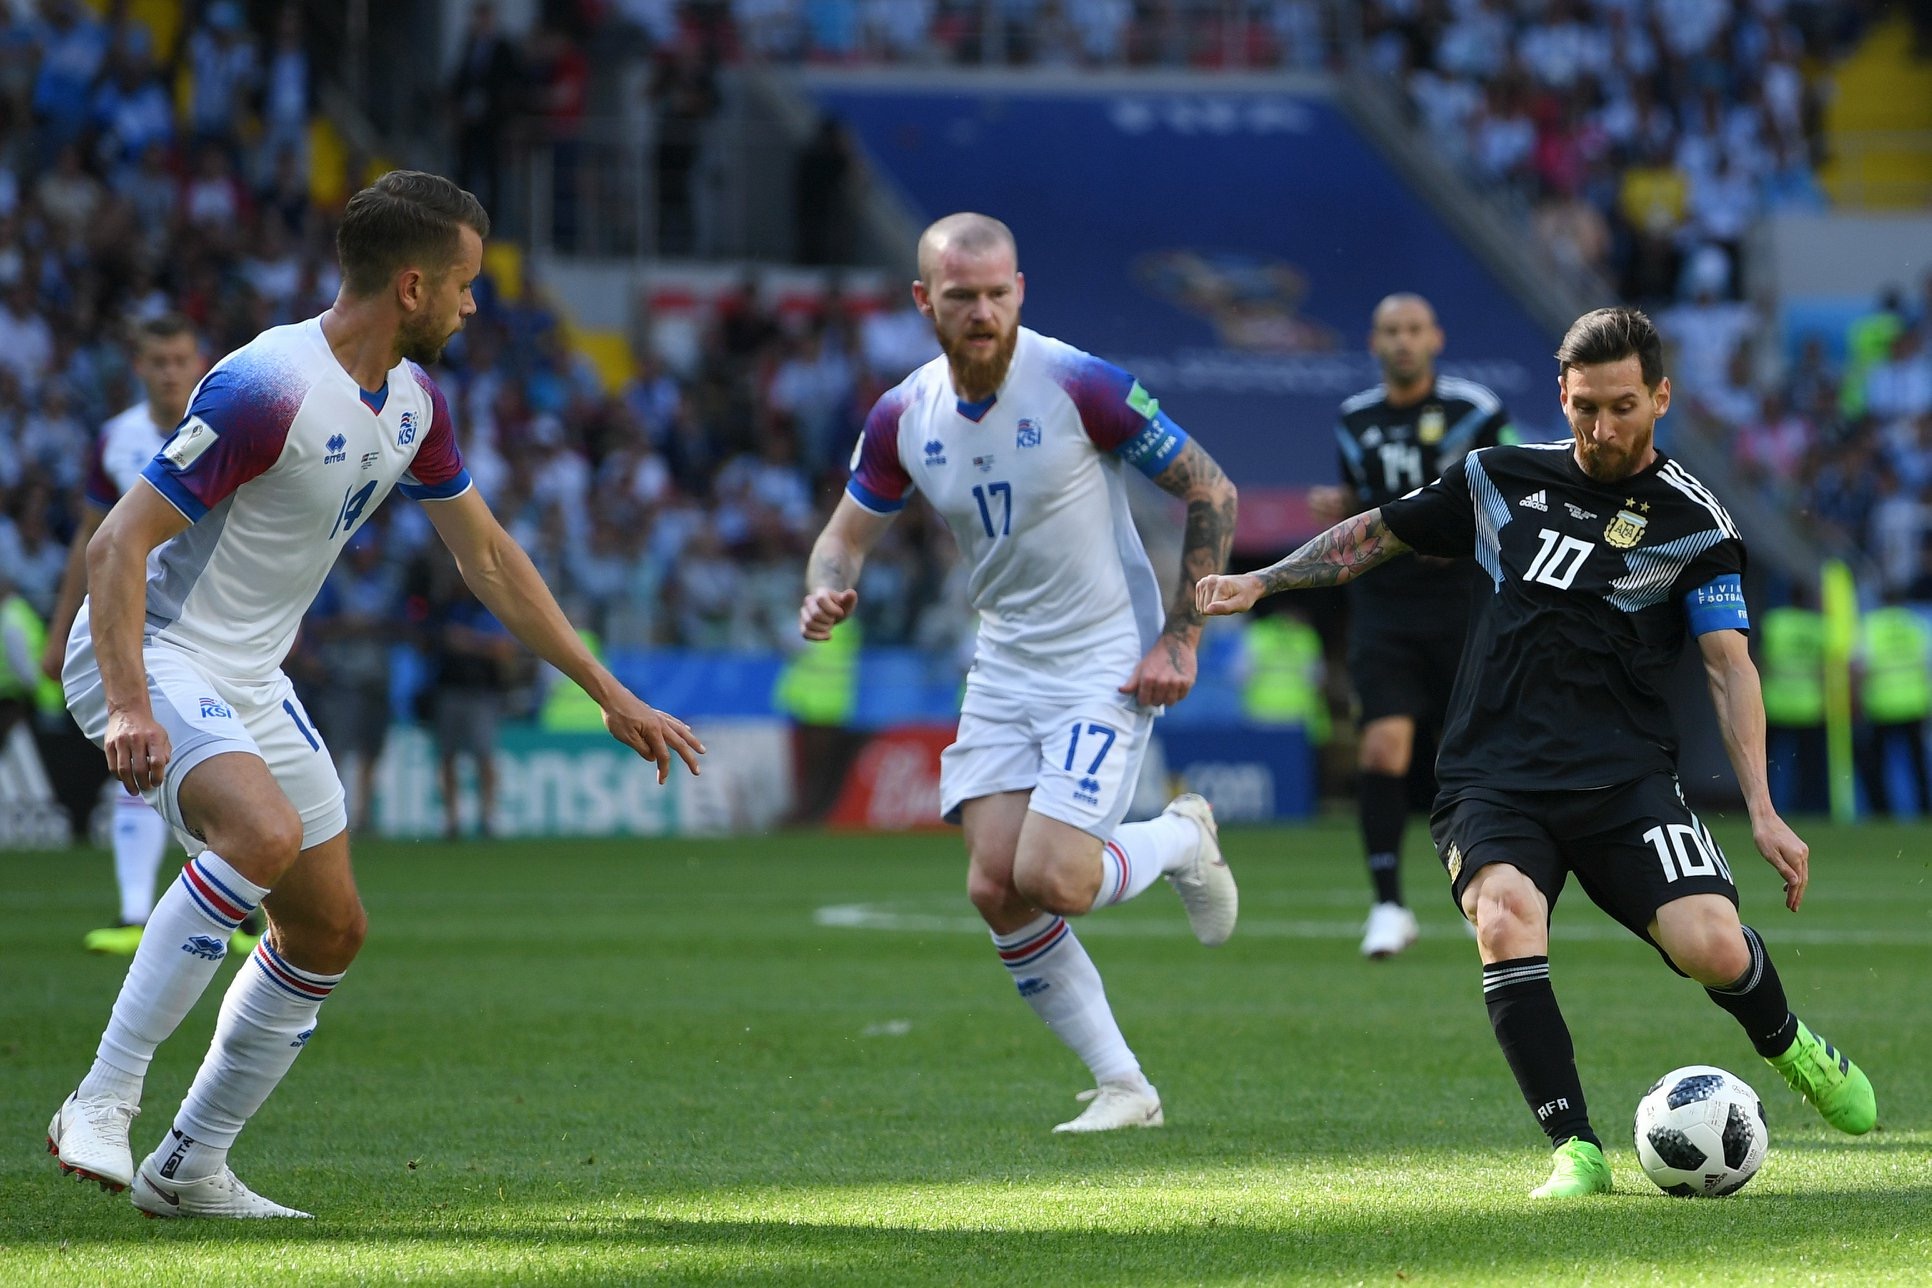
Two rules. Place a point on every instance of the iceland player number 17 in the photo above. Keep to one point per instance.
(1003, 493)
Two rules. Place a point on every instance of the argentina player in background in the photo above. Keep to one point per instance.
(1603, 558)
(289, 444)
(1018, 441)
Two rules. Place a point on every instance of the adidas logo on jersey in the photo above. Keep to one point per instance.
(1537, 500)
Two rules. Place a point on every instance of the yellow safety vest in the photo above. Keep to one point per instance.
(1793, 641)
(1897, 688)
(819, 685)
(1283, 688)
(567, 708)
(17, 614)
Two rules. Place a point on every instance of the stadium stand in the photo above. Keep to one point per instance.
(668, 490)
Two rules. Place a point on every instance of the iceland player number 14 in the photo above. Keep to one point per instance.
(354, 502)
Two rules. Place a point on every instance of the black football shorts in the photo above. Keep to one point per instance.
(1633, 848)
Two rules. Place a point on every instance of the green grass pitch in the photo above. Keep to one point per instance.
(795, 1060)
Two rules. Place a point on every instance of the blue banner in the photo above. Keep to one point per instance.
(1227, 248)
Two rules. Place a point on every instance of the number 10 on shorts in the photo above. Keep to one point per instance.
(1684, 851)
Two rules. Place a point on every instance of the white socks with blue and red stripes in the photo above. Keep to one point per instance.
(187, 936)
(140, 841)
(266, 1020)
(1058, 980)
(1140, 853)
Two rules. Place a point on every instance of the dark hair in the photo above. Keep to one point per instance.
(163, 326)
(1611, 335)
(406, 219)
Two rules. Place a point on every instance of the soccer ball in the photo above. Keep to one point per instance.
(1700, 1132)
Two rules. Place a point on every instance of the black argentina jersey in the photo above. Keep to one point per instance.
(1561, 685)
(1387, 452)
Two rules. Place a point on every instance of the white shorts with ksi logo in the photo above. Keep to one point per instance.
(206, 715)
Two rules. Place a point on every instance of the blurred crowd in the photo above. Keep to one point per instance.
(677, 509)
(1643, 136)
(134, 181)
(1206, 34)
(1842, 435)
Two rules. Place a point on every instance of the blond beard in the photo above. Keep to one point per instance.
(982, 377)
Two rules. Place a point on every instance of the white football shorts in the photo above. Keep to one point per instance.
(206, 716)
(1081, 761)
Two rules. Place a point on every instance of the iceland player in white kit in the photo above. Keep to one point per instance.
(288, 446)
(168, 360)
(1018, 441)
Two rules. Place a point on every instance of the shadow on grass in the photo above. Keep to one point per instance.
(1526, 1242)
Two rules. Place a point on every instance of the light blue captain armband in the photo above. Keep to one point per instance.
(1717, 605)
(1154, 448)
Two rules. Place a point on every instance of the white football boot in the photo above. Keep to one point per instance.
(89, 1138)
(1390, 929)
(222, 1196)
(1114, 1105)
(1205, 885)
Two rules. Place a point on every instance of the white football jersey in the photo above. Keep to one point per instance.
(280, 459)
(1030, 483)
(122, 450)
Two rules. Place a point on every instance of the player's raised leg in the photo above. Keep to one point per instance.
(1511, 916)
(1049, 965)
(316, 928)
(253, 836)
(140, 843)
(1704, 938)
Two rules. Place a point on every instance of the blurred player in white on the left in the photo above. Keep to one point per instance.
(168, 361)
(174, 670)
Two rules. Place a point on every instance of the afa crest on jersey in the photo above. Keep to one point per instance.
(1626, 530)
(1431, 425)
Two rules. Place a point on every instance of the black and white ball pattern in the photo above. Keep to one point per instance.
(1700, 1132)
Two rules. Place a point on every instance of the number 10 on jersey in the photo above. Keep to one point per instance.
(986, 496)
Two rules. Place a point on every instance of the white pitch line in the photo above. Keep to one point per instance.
(872, 916)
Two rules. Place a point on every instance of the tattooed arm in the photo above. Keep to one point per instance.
(1167, 672)
(832, 572)
(1342, 553)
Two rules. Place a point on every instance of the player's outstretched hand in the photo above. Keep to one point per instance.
(653, 734)
(1165, 675)
(824, 609)
(138, 750)
(1782, 848)
(1225, 595)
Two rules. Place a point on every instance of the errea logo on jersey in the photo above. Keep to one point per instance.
(935, 452)
(193, 438)
(338, 449)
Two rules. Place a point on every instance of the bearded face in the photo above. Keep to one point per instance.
(973, 299)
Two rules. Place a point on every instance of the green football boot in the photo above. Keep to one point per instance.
(115, 941)
(1836, 1088)
(1580, 1169)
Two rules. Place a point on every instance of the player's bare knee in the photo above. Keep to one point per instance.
(995, 898)
(322, 939)
(1712, 953)
(1056, 889)
(263, 845)
(1376, 757)
(1511, 917)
